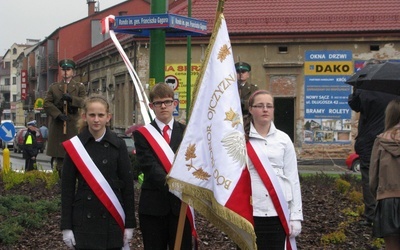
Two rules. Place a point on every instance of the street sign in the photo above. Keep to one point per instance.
(172, 81)
(175, 25)
(7, 131)
(176, 110)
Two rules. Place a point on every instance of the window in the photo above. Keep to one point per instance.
(374, 47)
(14, 80)
(283, 49)
(14, 98)
(7, 81)
(14, 51)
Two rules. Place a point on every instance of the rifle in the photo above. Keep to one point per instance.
(65, 109)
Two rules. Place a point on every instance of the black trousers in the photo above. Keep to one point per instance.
(369, 200)
(270, 233)
(29, 164)
(59, 164)
(159, 232)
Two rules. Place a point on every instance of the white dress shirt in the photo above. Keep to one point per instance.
(282, 156)
(161, 125)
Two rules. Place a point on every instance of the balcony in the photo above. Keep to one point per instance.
(32, 71)
(43, 66)
(32, 74)
(4, 71)
(53, 62)
(4, 88)
(6, 105)
(27, 104)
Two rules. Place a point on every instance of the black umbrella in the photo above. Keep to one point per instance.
(384, 77)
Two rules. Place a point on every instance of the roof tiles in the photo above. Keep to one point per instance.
(299, 16)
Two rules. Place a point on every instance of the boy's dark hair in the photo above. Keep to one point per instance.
(161, 90)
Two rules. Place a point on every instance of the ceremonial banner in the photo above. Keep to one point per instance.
(145, 111)
(210, 168)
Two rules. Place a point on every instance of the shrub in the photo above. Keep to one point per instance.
(349, 212)
(378, 243)
(335, 237)
(355, 197)
(14, 178)
(342, 186)
(10, 233)
(18, 212)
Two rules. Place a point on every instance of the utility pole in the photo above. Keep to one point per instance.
(157, 45)
(189, 68)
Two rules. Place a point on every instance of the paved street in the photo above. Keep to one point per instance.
(18, 163)
(310, 166)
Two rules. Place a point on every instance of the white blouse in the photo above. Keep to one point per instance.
(282, 156)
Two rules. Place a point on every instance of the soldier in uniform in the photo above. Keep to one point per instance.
(62, 103)
(245, 88)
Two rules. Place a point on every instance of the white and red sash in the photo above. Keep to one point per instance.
(166, 156)
(267, 174)
(95, 179)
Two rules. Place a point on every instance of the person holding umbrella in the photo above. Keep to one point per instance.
(371, 105)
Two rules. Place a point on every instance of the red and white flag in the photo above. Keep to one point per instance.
(210, 167)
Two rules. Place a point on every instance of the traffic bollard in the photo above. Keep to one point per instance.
(6, 160)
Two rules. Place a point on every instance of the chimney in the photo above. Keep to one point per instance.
(91, 5)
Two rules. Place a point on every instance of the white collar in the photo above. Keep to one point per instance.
(101, 137)
(161, 125)
(254, 134)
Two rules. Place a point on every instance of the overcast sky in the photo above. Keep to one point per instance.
(30, 19)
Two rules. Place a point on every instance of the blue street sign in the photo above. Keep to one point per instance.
(175, 25)
(7, 131)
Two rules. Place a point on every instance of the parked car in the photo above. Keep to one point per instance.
(19, 141)
(130, 143)
(353, 162)
(10, 144)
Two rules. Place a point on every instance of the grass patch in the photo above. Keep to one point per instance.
(19, 213)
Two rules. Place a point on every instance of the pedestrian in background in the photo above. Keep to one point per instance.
(273, 171)
(62, 103)
(245, 87)
(45, 134)
(371, 105)
(97, 179)
(30, 148)
(384, 179)
(44, 131)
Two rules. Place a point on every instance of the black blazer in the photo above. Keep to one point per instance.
(155, 198)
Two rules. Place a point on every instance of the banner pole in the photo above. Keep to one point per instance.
(181, 225)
